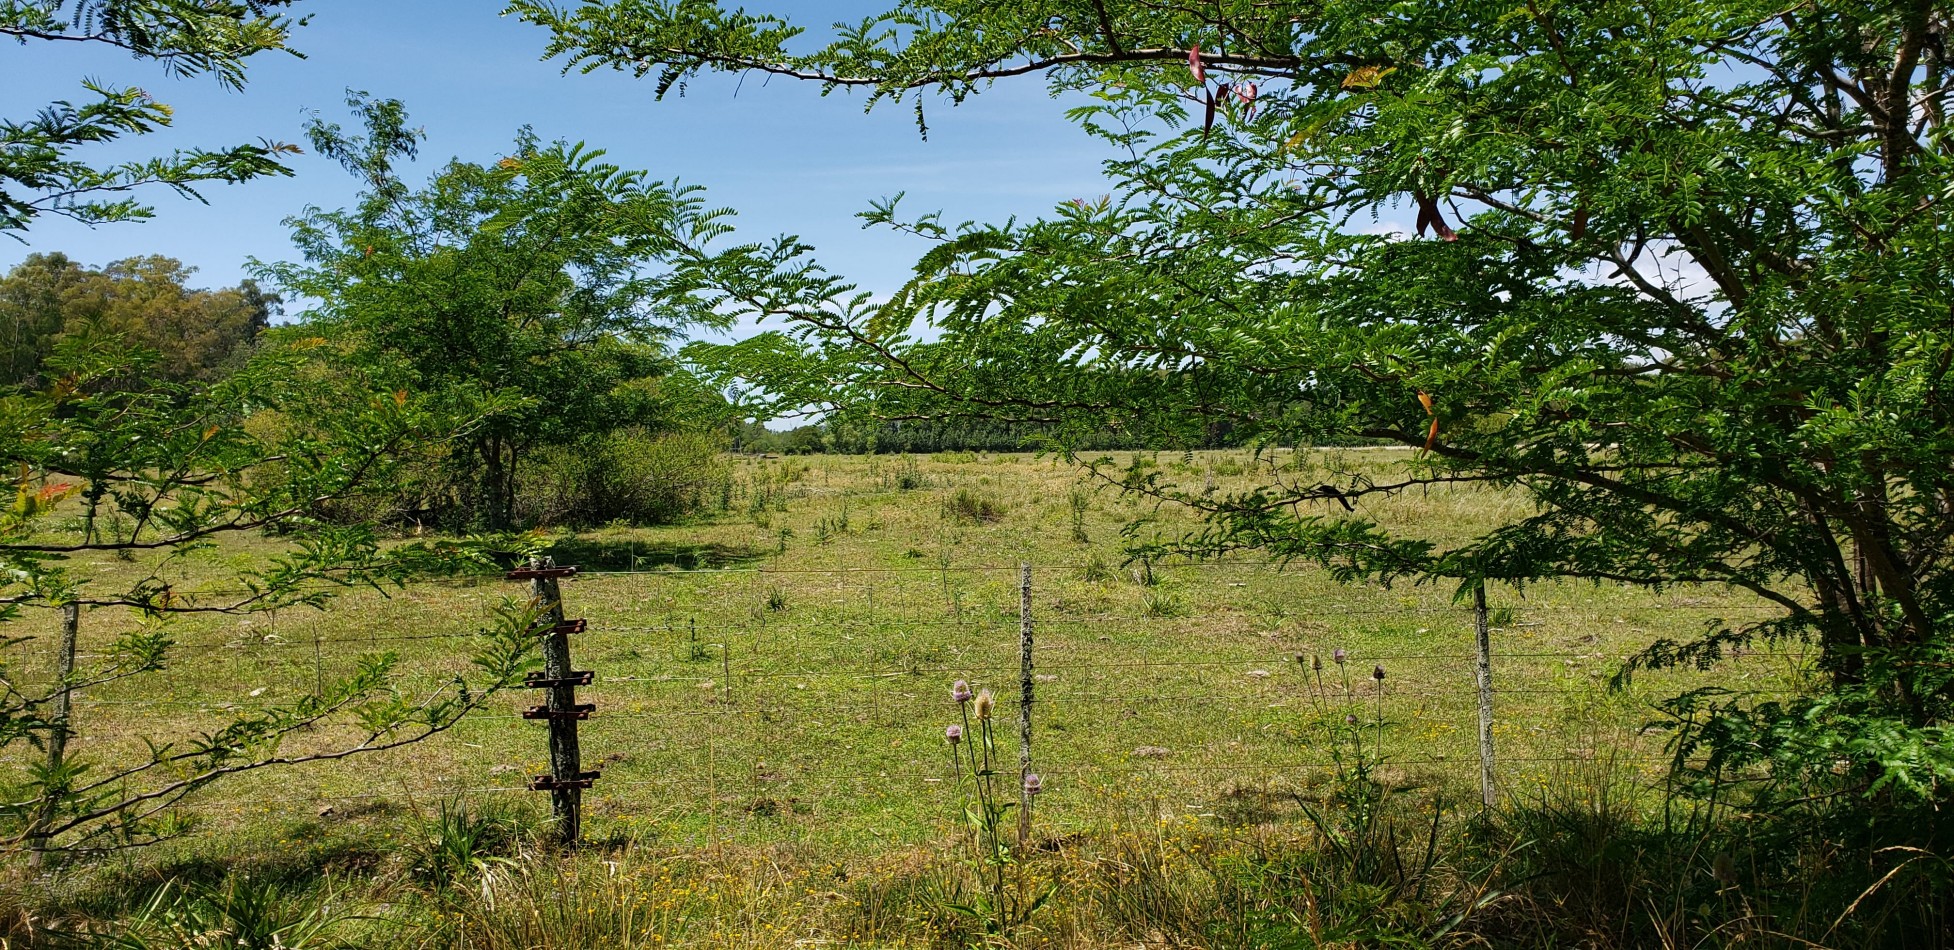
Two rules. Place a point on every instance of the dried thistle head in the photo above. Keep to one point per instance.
(985, 703)
(1378, 673)
(1316, 663)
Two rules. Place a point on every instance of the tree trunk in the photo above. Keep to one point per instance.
(495, 506)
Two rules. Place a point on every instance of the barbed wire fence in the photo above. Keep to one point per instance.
(781, 703)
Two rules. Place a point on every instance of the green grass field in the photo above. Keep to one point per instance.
(775, 679)
(782, 672)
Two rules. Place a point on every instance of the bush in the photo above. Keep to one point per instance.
(629, 475)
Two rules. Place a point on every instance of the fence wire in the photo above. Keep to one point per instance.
(846, 696)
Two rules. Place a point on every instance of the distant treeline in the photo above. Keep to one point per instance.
(141, 302)
(961, 436)
(908, 437)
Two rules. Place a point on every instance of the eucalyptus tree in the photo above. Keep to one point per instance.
(1675, 270)
(43, 168)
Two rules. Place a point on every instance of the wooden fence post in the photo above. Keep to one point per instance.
(57, 740)
(1025, 685)
(1484, 672)
(567, 779)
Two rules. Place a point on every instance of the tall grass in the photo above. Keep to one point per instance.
(1593, 858)
(971, 507)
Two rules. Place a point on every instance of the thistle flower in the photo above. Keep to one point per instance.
(1350, 719)
(984, 703)
(960, 691)
(1378, 673)
(1339, 656)
(954, 734)
(1033, 784)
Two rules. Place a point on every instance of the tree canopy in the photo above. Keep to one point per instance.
(1676, 271)
(142, 302)
(534, 280)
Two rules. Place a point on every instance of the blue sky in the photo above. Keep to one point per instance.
(789, 160)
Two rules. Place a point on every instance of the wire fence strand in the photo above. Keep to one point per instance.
(875, 669)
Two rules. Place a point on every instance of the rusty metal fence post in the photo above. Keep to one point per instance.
(566, 779)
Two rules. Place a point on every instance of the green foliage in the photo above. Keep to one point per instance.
(154, 466)
(1161, 604)
(39, 170)
(143, 303)
(629, 474)
(461, 843)
(1675, 271)
(800, 440)
(1095, 570)
(908, 475)
(243, 912)
(523, 281)
(1818, 872)
(1078, 501)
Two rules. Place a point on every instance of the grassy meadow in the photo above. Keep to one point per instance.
(772, 689)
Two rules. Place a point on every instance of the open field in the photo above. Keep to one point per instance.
(777, 677)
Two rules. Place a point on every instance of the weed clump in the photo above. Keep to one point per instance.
(971, 507)
(460, 842)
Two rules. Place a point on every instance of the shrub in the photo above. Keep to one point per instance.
(629, 475)
(909, 475)
(659, 479)
(1079, 501)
